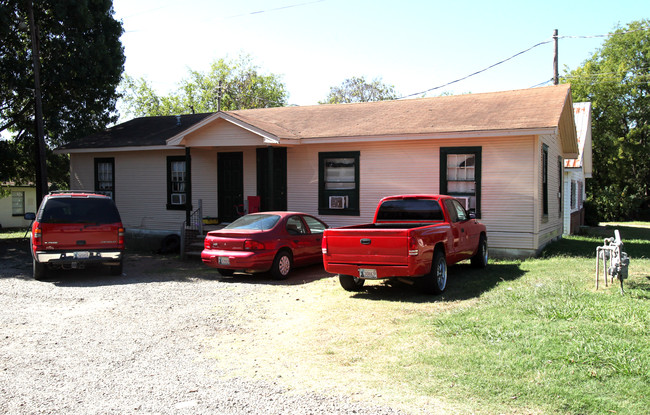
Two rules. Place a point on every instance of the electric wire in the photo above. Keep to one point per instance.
(518, 54)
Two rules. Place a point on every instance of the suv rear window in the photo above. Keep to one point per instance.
(99, 211)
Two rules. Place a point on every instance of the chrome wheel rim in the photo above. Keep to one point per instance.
(285, 265)
(441, 275)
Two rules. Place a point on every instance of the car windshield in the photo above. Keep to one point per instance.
(79, 210)
(255, 221)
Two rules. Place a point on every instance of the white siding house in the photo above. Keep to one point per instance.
(18, 200)
(577, 170)
(502, 153)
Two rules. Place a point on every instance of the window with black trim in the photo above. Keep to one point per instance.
(177, 185)
(460, 176)
(105, 176)
(338, 183)
(17, 203)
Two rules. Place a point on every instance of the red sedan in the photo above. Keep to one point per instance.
(266, 241)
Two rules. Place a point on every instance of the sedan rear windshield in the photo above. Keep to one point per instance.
(410, 210)
(254, 221)
(98, 211)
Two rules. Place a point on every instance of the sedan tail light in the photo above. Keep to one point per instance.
(251, 245)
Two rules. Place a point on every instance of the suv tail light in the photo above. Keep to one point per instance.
(120, 236)
(37, 235)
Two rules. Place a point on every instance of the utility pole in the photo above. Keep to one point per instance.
(556, 72)
(41, 165)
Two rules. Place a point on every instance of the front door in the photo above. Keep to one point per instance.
(230, 182)
(272, 178)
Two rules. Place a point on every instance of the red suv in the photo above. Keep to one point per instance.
(73, 229)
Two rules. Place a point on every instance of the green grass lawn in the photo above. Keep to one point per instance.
(519, 337)
(13, 233)
(543, 340)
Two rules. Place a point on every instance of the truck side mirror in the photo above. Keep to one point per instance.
(472, 214)
(30, 216)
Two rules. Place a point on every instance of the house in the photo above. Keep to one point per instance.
(577, 170)
(501, 153)
(15, 201)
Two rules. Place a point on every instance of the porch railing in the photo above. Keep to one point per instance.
(191, 229)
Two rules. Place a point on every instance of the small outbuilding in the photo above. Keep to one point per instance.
(502, 154)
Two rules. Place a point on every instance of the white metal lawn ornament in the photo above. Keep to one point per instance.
(612, 251)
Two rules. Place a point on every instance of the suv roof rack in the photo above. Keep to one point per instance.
(69, 192)
(73, 191)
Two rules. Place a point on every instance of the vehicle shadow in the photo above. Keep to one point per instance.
(464, 282)
(298, 276)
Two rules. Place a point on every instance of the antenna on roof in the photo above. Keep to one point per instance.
(219, 97)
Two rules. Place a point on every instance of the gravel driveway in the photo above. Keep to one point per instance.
(86, 342)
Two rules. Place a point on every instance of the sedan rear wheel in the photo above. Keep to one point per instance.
(282, 265)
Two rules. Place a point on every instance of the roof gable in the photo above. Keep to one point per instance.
(582, 115)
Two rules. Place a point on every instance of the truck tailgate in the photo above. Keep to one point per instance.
(368, 246)
(80, 236)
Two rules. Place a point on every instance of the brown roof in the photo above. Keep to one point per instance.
(524, 109)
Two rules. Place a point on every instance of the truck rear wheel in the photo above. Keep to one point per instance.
(480, 260)
(435, 282)
(350, 283)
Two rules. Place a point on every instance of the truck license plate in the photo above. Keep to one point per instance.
(224, 260)
(370, 274)
(82, 255)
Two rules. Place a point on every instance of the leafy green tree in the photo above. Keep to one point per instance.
(81, 59)
(616, 81)
(357, 89)
(242, 87)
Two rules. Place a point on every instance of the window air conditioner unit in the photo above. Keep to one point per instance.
(338, 202)
(463, 201)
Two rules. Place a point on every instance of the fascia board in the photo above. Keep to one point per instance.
(116, 149)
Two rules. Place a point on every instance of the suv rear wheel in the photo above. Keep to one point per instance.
(39, 270)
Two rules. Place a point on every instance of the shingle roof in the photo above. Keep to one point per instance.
(510, 110)
(527, 109)
(144, 131)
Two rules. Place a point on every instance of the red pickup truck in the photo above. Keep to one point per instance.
(412, 238)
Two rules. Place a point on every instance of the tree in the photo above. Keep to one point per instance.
(616, 81)
(357, 89)
(81, 59)
(242, 87)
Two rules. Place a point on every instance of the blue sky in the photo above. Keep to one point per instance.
(413, 45)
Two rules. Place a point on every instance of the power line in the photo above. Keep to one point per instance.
(521, 53)
(478, 72)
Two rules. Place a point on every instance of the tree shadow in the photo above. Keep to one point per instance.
(464, 283)
(636, 242)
